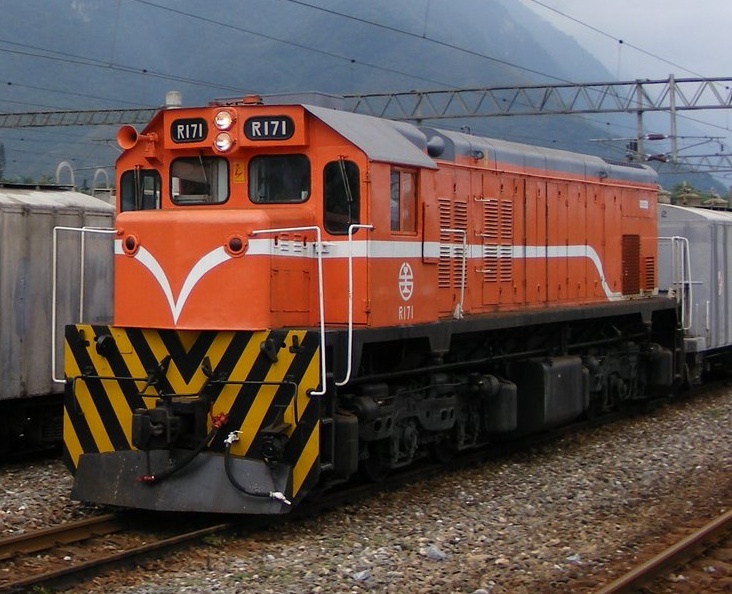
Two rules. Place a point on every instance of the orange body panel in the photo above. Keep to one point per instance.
(489, 237)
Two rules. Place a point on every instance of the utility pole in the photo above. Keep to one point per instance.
(672, 113)
(639, 123)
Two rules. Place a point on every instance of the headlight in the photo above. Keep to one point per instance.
(224, 142)
(224, 119)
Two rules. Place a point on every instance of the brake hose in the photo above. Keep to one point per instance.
(217, 423)
(229, 441)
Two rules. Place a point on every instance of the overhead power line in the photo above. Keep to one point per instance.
(609, 36)
(668, 95)
(603, 97)
(634, 97)
(39, 52)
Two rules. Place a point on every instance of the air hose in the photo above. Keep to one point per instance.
(277, 495)
(217, 423)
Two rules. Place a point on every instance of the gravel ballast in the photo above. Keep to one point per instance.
(564, 517)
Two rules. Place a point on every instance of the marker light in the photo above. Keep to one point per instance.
(130, 245)
(224, 119)
(223, 142)
(236, 245)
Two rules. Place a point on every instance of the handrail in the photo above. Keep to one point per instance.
(321, 304)
(681, 280)
(82, 280)
(349, 367)
(458, 313)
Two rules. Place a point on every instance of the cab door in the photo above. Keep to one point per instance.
(346, 249)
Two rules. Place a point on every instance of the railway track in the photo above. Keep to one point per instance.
(71, 552)
(698, 548)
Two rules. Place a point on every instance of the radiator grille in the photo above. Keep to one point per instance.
(631, 264)
(497, 240)
(453, 215)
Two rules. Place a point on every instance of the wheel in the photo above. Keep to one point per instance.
(374, 466)
(442, 451)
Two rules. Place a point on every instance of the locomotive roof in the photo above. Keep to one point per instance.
(406, 144)
(381, 140)
(525, 157)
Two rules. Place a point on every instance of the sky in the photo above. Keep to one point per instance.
(689, 38)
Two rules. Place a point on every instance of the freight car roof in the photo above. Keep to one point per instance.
(54, 198)
(693, 214)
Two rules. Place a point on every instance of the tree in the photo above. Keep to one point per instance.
(685, 194)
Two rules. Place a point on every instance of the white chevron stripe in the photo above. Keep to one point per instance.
(201, 268)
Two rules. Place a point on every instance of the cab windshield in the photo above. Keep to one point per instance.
(199, 180)
(279, 178)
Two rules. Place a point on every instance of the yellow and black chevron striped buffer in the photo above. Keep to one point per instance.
(132, 390)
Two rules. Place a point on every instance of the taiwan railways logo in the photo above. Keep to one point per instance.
(406, 281)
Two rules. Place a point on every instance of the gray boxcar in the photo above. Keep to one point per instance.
(695, 262)
(51, 274)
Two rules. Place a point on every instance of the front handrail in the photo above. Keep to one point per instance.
(349, 368)
(681, 278)
(82, 280)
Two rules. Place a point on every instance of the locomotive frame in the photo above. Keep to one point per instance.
(302, 293)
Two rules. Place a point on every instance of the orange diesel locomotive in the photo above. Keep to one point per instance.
(303, 292)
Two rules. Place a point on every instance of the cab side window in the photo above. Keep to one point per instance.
(341, 197)
(403, 200)
(140, 189)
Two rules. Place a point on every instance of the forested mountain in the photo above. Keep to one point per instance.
(89, 54)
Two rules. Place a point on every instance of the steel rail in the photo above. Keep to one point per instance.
(673, 556)
(92, 565)
(39, 540)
